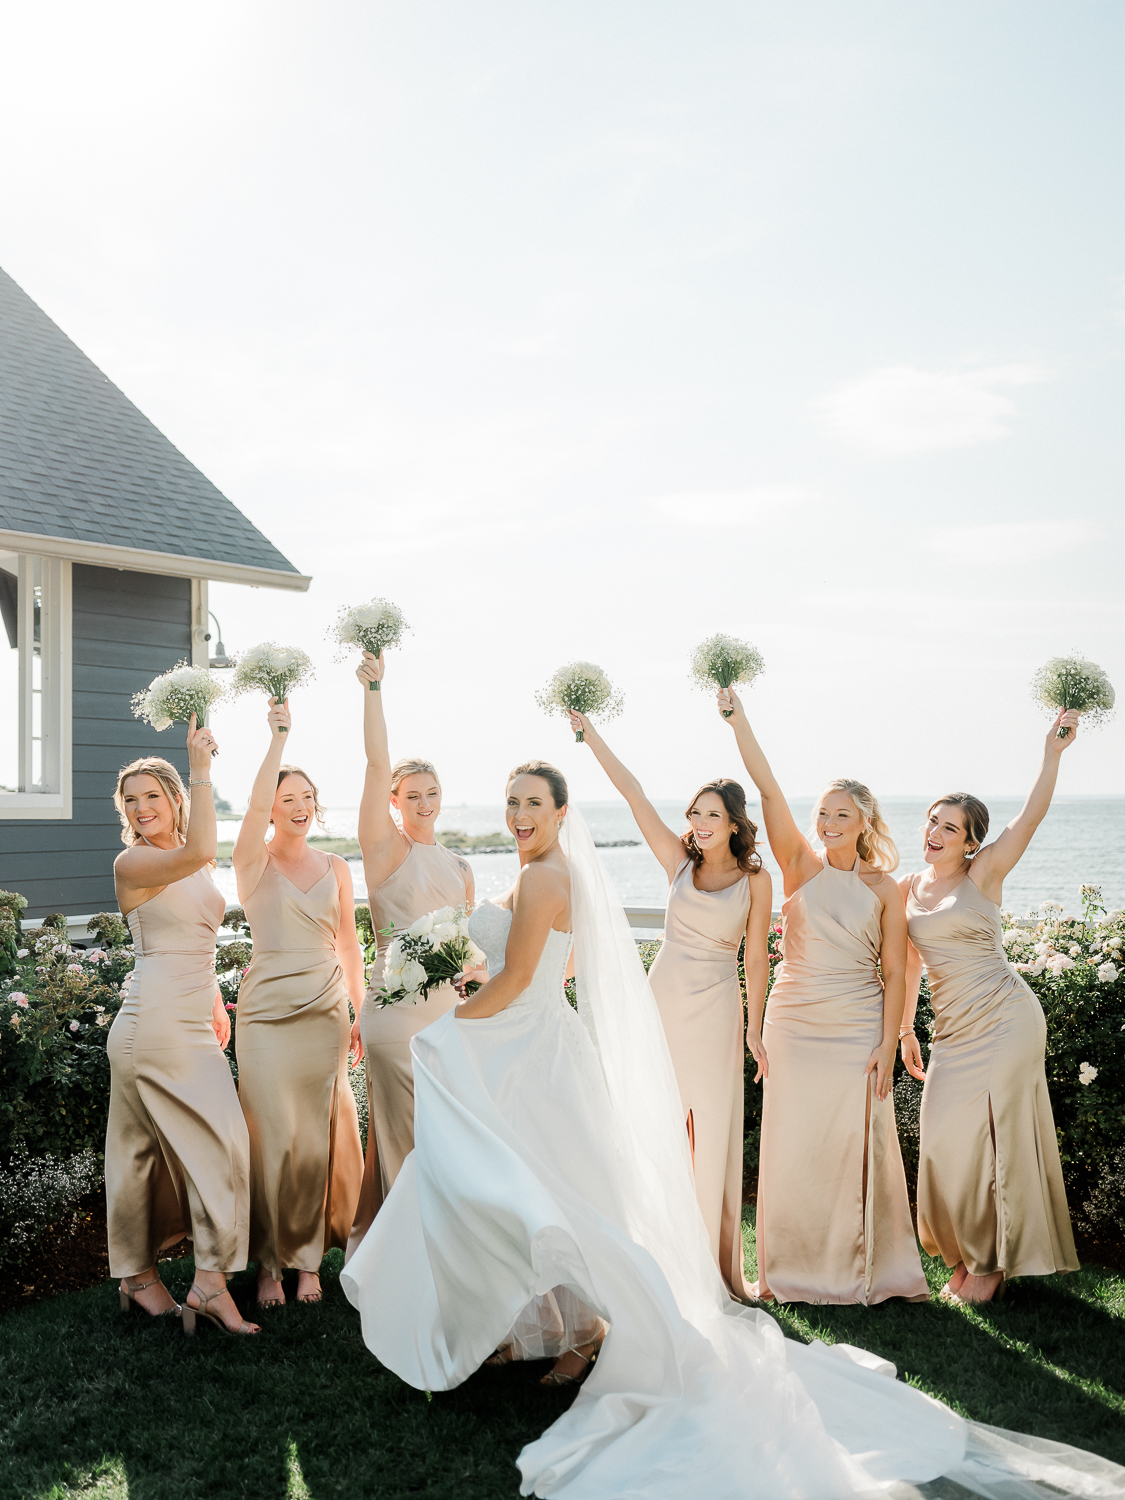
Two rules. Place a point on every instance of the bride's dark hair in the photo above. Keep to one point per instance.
(550, 774)
(743, 840)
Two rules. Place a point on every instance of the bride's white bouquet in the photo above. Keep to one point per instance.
(580, 687)
(722, 661)
(372, 627)
(1072, 682)
(174, 696)
(271, 669)
(432, 951)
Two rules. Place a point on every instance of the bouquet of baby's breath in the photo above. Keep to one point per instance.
(1072, 682)
(432, 951)
(721, 661)
(174, 696)
(271, 669)
(372, 627)
(583, 688)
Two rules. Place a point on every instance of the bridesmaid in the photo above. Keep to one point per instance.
(833, 1215)
(991, 1200)
(176, 1152)
(408, 874)
(718, 894)
(293, 1036)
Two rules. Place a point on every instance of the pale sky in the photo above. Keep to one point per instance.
(588, 329)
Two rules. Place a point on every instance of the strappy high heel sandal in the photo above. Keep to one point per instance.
(557, 1378)
(127, 1298)
(191, 1313)
(502, 1356)
(317, 1296)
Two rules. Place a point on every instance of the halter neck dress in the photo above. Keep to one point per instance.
(821, 1237)
(990, 1195)
(695, 983)
(177, 1158)
(430, 877)
(292, 1037)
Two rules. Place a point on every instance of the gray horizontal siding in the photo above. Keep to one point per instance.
(128, 627)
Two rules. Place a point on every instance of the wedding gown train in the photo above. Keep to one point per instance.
(549, 1154)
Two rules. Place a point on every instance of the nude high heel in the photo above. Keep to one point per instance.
(127, 1296)
(191, 1313)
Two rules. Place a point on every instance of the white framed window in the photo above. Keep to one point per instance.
(35, 681)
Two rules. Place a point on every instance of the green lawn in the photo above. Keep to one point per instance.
(113, 1407)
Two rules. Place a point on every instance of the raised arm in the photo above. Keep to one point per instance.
(756, 966)
(657, 835)
(541, 897)
(141, 867)
(790, 847)
(995, 860)
(380, 841)
(250, 853)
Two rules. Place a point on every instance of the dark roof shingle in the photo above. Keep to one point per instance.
(79, 461)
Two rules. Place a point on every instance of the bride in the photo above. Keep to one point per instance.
(550, 1187)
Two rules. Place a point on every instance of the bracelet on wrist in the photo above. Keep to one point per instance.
(199, 783)
(907, 1031)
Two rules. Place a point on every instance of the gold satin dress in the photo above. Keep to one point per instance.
(822, 1237)
(991, 1196)
(430, 877)
(177, 1158)
(294, 1027)
(695, 982)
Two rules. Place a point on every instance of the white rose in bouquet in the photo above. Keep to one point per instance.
(477, 958)
(422, 927)
(444, 932)
(412, 976)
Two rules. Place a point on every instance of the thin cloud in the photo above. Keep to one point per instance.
(901, 409)
(730, 507)
(1012, 541)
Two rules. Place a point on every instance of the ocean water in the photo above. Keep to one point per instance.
(1080, 842)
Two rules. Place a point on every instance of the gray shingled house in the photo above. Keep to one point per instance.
(108, 538)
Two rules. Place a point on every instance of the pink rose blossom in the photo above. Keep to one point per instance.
(20, 998)
(74, 1025)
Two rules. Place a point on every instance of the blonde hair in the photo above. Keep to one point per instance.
(874, 845)
(318, 811)
(169, 778)
(411, 766)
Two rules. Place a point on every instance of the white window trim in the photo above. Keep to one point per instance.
(56, 801)
(200, 625)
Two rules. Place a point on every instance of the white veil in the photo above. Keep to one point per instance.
(618, 1009)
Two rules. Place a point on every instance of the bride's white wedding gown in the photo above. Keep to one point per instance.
(524, 1180)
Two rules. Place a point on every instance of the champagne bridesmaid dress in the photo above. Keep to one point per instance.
(695, 982)
(833, 1215)
(294, 1027)
(177, 1159)
(990, 1185)
(430, 877)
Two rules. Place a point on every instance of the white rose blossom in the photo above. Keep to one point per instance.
(1107, 973)
(1086, 1074)
(1058, 963)
(413, 976)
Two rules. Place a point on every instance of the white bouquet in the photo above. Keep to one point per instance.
(372, 627)
(174, 696)
(1072, 682)
(271, 669)
(432, 951)
(722, 661)
(580, 687)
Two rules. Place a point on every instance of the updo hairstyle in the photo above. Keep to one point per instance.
(743, 840)
(411, 766)
(550, 774)
(874, 845)
(974, 813)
